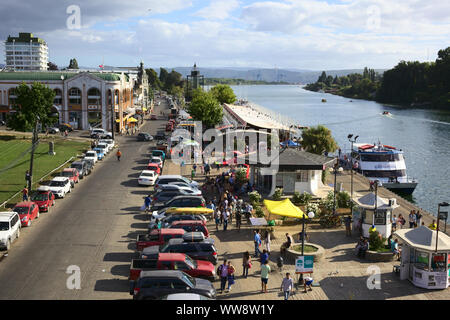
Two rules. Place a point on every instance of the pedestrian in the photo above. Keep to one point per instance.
(412, 219)
(226, 215)
(265, 270)
(25, 194)
(287, 286)
(418, 218)
(231, 271)
(118, 154)
(217, 215)
(433, 225)
(267, 241)
(257, 242)
(264, 257)
(66, 133)
(222, 271)
(192, 174)
(147, 203)
(396, 250)
(286, 245)
(246, 263)
(238, 219)
(280, 263)
(27, 177)
(394, 223)
(348, 224)
(308, 281)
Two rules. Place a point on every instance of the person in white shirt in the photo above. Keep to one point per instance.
(226, 215)
(287, 286)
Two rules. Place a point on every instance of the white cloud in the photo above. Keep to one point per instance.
(218, 9)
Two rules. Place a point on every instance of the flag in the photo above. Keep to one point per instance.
(101, 66)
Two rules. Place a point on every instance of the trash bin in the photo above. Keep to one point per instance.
(51, 148)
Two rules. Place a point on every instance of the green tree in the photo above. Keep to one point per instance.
(52, 66)
(204, 107)
(163, 74)
(153, 79)
(322, 77)
(73, 64)
(33, 105)
(318, 140)
(223, 93)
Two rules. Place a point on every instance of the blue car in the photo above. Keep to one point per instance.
(100, 153)
(159, 153)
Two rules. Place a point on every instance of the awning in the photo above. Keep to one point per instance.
(284, 208)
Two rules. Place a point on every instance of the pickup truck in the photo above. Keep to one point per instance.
(157, 237)
(173, 261)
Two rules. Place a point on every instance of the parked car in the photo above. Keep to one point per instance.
(191, 226)
(89, 163)
(157, 237)
(153, 117)
(144, 136)
(9, 228)
(147, 178)
(81, 167)
(100, 153)
(91, 155)
(166, 179)
(103, 146)
(160, 135)
(53, 130)
(109, 142)
(157, 160)
(199, 250)
(168, 219)
(173, 261)
(157, 283)
(72, 174)
(28, 211)
(184, 297)
(159, 153)
(186, 188)
(43, 197)
(185, 201)
(154, 167)
(165, 195)
(99, 133)
(60, 186)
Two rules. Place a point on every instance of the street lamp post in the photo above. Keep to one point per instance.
(336, 166)
(376, 200)
(351, 169)
(444, 214)
(310, 215)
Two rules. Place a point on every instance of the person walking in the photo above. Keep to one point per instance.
(265, 269)
(118, 154)
(25, 194)
(257, 243)
(287, 286)
(217, 215)
(238, 215)
(231, 271)
(418, 218)
(412, 219)
(264, 257)
(222, 271)
(147, 203)
(226, 218)
(267, 242)
(394, 223)
(246, 263)
(348, 225)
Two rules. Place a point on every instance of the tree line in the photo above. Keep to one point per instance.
(411, 83)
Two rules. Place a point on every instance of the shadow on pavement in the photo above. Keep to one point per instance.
(130, 183)
(139, 226)
(131, 209)
(112, 285)
(121, 270)
(118, 256)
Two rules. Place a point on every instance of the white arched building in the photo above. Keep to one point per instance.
(82, 98)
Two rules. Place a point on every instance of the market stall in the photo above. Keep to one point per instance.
(422, 262)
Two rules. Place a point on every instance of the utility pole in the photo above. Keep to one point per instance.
(336, 166)
(351, 169)
(34, 143)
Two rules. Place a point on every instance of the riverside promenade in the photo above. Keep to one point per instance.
(361, 188)
(340, 274)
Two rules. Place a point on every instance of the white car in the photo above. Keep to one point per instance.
(190, 190)
(98, 132)
(60, 186)
(91, 155)
(147, 178)
(104, 147)
(157, 160)
(9, 228)
(109, 142)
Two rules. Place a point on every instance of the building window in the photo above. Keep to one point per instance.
(303, 176)
(58, 97)
(75, 96)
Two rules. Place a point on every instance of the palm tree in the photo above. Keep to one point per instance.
(318, 140)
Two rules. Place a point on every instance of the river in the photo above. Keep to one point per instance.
(423, 135)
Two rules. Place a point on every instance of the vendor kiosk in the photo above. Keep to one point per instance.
(420, 262)
(378, 214)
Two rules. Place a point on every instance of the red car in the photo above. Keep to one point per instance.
(173, 261)
(72, 174)
(191, 226)
(153, 117)
(154, 167)
(28, 211)
(44, 198)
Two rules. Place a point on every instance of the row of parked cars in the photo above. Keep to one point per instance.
(24, 213)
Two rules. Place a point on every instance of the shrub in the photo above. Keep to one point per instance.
(241, 176)
(259, 212)
(255, 198)
(313, 207)
(376, 242)
(343, 200)
(277, 194)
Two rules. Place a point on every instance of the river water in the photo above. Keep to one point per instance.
(423, 135)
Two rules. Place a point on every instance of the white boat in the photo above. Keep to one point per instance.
(385, 164)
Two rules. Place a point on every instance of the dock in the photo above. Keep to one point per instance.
(361, 188)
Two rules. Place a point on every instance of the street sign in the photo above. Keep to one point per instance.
(304, 264)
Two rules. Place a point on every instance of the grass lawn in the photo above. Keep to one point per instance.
(308, 248)
(11, 148)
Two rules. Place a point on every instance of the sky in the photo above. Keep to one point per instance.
(288, 34)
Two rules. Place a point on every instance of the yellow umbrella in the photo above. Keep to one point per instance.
(144, 109)
(131, 119)
(284, 208)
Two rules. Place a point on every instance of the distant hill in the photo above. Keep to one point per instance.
(268, 75)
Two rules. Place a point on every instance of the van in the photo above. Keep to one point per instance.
(9, 228)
